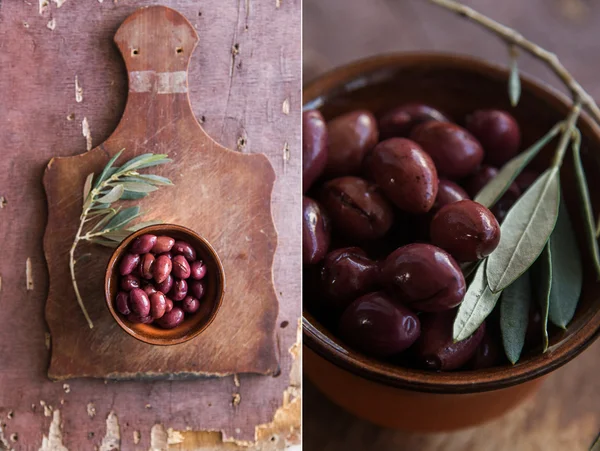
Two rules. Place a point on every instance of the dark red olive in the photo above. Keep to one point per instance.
(347, 274)
(135, 318)
(129, 263)
(149, 289)
(498, 132)
(163, 244)
(129, 282)
(197, 288)
(448, 193)
(190, 304)
(399, 121)
(168, 305)
(436, 350)
(162, 268)
(466, 229)
(314, 147)
(122, 303)
(185, 249)
(158, 305)
(181, 267)
(315, 232)
(143, 244)
(526, 178)
(482, 177)
(197, 270)
(179, 290)
(455, 152)
(378, 326)
(357, 208)
(146, 265)
(405, 174)
(489, 352)
(424, 277)
(350, 137)
(171, 319)
(166, 285)
(139, 303)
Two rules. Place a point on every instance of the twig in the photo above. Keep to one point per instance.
(567, 134)
(514, 38)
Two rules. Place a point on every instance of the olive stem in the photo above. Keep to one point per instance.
(72, 267)
(514, 38)
(567, 134)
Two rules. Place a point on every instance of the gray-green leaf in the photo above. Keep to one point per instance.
(117, 235)
(122, 218)
(494, 190)
(543, 285)
(585, 202)
(144, 161)
(130, 195)
(87, 186)
(138, 187)
(567, 274)
(113, 195)
(514, 316)
(477, 304)
(148, 178)
(514, 82)
(525, 231)
(100, 224)
(105, 172)
(104, 242)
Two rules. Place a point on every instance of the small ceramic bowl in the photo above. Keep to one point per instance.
(193, 325)
(417, 400)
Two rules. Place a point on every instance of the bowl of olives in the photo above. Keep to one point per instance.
(164, 284)
(396, 148)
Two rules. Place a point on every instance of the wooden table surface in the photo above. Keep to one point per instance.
(245, 89)
(566, 412)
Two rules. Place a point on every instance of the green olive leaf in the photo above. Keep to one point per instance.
(87, 187)
(567, 273)
(144, 161)
(494, 190)
(106, 172)
(113, 195)
(514, 82)
(542, 277)
(122, 218)
(525, 231)
(514, 316)
(149, 178)
(138, 187)
(130, 195)
(477, 304)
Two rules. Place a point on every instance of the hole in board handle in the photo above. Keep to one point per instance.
(179, 49)
(135, 52)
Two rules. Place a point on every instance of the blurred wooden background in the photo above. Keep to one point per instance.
(566, 412)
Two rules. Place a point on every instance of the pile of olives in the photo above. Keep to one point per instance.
(388, 220)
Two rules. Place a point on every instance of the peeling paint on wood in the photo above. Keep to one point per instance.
(47, 409)
(91, 410)
(87, 133)
(78, 92)
(53, 441)
(4, 445)
(3, 202)
(59, 3)
(112, 438)
(236, 399)
(44, 6)
(236, 380)
(28, 275)
(137, 436)
(67, 388)
(286, 107)
(51, 25)
(47, 340)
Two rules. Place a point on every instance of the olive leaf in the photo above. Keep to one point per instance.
(567, 273)
(514, 316)
(141, 225)
(122, 218)
(543, 284)
(113, 195)
(585, 202)
(477, 304)
(105, 172)
(525, 231)
(136, 187)
(87, 186)
(514, 81)
(494, 190)
(130, 195)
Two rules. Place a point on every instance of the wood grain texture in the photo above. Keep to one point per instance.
(237, 98)
(223, 195)
(566, 412)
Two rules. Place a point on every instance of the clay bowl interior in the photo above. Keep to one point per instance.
(457, 86)
(193, 325)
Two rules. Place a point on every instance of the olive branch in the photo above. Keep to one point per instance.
(103, 224)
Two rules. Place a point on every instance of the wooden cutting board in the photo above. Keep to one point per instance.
(222, 194)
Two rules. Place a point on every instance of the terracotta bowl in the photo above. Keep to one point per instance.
(193, 325)
(417, 400)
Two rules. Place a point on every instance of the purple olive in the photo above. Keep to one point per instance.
(357, 208)
(448, 193)
(129, 282)
(315, 232)
(405, 174)
(181, 267)
(378, 326)
(135, 318)
(122, 303)
(498, 133)
(185, 249)
(197, 270)
(314, 147)
(129, 263)
(149, 289)
(169, 305)
(166, 285)
(399, 121)
(465, 229)
(143, 244)
(197, 288)
(171, 319)
(482, 177)
(163, 244)
(345, 275)
(489, 352)
(179, 290)
(190, 304)
(424, 277)
(162, 268)
(139, 303)
(350, 137)
(455, 152)
(146, 265)
(436, 350)
(158, 305)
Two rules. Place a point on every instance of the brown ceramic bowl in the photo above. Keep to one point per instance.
(193, 325)
(412, 399)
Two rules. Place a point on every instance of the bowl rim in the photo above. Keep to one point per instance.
(162, 228)
(420, 380)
